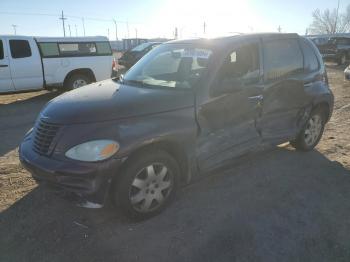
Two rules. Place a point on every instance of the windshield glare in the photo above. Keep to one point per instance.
(170, 66)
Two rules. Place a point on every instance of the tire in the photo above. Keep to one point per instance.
(76, 81)
(311, 133)
(145, 188)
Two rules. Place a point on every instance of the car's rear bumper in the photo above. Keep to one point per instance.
(86, 183)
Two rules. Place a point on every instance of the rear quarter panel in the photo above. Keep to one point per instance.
(56, 69)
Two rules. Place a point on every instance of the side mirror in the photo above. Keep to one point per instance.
(228, 85)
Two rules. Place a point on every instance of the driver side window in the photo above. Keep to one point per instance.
(242, 64)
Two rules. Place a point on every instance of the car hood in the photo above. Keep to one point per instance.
(110, 100)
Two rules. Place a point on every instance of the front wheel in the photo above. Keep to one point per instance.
(147, 185)
(311, 134)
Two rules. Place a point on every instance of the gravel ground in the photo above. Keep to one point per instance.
(281, 205)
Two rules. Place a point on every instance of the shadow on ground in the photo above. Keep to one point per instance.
(281, 205)
(18, 117)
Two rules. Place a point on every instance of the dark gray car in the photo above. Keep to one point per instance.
(184, 109)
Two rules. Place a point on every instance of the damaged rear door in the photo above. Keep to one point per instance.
(227, 118)
(284, 95)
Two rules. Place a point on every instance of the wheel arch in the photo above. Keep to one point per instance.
(177, 151)
(84, 71)
(324, 107)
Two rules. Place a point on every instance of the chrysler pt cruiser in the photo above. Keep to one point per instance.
(187, 107)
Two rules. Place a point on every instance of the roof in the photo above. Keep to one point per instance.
(223, 41)
(72, 39)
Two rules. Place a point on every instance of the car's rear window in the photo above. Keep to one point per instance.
(282, 58)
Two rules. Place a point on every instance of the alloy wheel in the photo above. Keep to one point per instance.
(151, 187)
(79, 83)
(313, 130)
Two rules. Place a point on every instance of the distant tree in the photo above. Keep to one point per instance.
(330, 22)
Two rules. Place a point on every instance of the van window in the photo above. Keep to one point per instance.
(310, 60)
(282, 58)
(1, 50)
(77, 49)
(49, 49)
(103, 48)
(20, 49)
(242, 63)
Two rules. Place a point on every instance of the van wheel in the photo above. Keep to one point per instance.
(311, 134)
(76, 81)
(147, 185)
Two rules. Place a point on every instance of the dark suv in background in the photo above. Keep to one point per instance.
(130, 57)
(335, 48)
(187, 108)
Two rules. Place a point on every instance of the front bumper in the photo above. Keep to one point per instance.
(85, 183)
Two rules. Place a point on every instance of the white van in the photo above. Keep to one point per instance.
(30, 63)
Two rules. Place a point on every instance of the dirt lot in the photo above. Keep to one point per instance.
(282, 205)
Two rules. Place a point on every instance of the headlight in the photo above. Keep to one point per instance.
(95, 150)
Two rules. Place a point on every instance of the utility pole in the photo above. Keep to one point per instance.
(116, 30)
(76, 30)
(204, 27)
(70, 32)
(64, 28)
(279, 29)
(14, 28)
(175, 33)
(136, 32)
(108, 32)
(127, 27)
(82, 19)
(336, 20)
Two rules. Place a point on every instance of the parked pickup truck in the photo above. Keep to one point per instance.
(335, 48)
(29, 63)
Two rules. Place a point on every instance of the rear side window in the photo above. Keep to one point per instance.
(49, 49)
(311, 63)
(20, 48)
(77, 49)
(282, 58)
(103, 48)
(1, 50)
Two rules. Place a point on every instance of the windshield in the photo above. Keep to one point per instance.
(141, 47)
(170, 66)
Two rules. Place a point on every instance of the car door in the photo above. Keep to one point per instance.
(227, 118)
(6, 84)
(25, 62)
(284, 95)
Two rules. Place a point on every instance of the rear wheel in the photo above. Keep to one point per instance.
(76, 81)
(311, 134)
(147, 185)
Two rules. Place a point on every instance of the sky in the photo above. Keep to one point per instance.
(158, 18)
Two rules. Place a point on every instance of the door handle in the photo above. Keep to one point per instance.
(4, 65)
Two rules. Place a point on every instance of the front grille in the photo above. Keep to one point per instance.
(44, 134)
